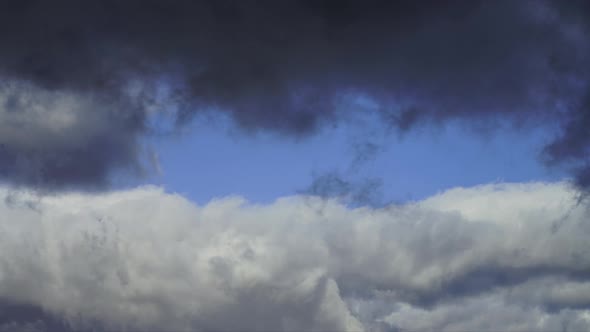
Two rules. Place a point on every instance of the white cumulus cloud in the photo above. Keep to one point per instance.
(493, 257)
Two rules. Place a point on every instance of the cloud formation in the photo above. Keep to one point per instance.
(84, 79)
(485, 258)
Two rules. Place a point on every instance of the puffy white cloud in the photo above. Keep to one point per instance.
(482, 258)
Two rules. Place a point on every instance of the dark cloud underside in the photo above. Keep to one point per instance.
(280, 66)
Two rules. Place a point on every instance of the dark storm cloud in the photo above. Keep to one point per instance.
(282, 66)
(30, 318)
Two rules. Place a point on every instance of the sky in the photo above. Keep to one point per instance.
(294, 165)
(407, 167)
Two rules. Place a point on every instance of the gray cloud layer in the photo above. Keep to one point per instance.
(486, 258)
(84, 79)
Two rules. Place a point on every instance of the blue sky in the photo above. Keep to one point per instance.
(211, 159)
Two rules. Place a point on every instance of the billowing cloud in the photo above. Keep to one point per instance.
(486, 258)
(68, 68)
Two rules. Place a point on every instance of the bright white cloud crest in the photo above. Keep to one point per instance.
(496, 257)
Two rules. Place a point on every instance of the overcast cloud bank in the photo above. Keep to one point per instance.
(495, 257)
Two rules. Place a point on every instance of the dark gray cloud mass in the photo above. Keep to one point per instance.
(79, 80)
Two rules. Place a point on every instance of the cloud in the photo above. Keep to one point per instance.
(481, 258)
(56, 139)
(499, 316)
(288, 68)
